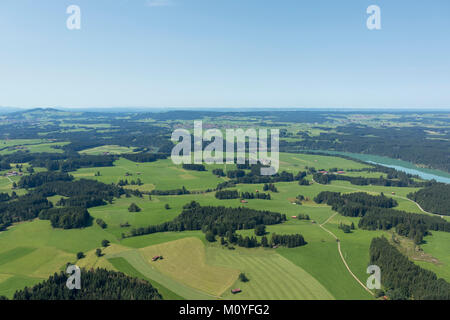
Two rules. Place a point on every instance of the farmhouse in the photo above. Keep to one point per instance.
(13, 173)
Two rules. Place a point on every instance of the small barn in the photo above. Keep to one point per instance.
(235, 291)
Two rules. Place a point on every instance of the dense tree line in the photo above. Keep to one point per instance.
(412, 225)
(219, 220)
(67, 218)
(144, 157)
(73, 162)
(377, 213)
(98, 284)
(286, 240)
(403, 279)
(227, 194)
(257, 178)
(234, 194)
(40, 178)
(80, 193)
(26, 207)
(354, 204)
(362, 181)
(175, 192)
(435, 198)
(32, 158)
(257, 195)
(194, 167)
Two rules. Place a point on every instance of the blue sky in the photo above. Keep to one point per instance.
(217, 53)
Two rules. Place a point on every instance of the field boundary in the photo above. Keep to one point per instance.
(339, 248)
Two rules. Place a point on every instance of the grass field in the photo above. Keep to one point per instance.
(125, 267)
(271, 275)
(185, 261)
(192, 268)
(438, 245)
(107, 149)
(161, 175)
(30, 145)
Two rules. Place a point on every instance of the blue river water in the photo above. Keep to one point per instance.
(424, 173)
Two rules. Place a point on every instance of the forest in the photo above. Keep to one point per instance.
(234, 194)
(67, 218)
(219, 220)
(408, 144)
(377, 213)
(435, 198)
(354, 204)
(402, 279)
(77, 196)
(362, 181)
(412, 225)
(98, 284)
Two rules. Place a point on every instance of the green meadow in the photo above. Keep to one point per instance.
(110, 149)
(193, 268)
(30, 145)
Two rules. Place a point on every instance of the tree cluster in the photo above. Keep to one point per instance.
(99, 284)
(402, 278)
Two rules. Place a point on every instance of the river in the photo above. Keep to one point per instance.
(400, 165)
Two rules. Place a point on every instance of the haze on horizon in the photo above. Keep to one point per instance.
(225, 54)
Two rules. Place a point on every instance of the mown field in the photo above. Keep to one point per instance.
(195, 269)
(110, 149)
(29, 145)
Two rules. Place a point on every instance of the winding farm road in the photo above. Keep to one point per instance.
(342, 256)
(339, 242)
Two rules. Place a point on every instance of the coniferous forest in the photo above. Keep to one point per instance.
(402, 279)
(206, 218)
(224, 155)
(98, 284)
(435, 198)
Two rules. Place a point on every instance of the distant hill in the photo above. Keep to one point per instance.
(7, 110)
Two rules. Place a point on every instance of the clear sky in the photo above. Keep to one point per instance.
(225, 53)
